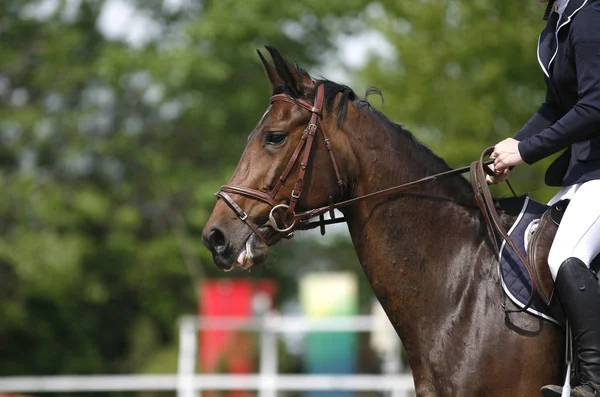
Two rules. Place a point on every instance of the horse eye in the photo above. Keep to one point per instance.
(275, 138)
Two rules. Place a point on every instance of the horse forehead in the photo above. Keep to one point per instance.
(277, 117)
(274, 114)
(285, 111)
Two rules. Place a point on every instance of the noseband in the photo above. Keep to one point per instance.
(286, 211)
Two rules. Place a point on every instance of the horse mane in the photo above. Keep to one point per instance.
(331, 91)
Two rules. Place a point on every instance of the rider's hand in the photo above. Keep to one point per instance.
(492, 180)
(506, 155)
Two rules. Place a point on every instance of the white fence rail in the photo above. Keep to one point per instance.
(188, 384)
(107, 383)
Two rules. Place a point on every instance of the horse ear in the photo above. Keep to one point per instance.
(272, 75)
(298, 81)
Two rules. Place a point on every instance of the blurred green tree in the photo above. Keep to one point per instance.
(112, 145)
(112, 142)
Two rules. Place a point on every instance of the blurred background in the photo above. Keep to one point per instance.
(119, 119)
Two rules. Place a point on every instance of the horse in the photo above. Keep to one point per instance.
(426, 252)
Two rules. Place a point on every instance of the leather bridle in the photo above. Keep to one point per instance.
(286, 211)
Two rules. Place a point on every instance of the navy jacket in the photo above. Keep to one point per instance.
(570, 117)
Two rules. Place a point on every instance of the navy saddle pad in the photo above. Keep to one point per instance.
(515, 278)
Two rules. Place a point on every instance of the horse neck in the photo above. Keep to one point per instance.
(418, 249)
(385, 155)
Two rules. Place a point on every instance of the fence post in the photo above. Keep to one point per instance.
(187, 357)
(268, 366)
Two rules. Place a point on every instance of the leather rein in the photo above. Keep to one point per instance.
(300, 221)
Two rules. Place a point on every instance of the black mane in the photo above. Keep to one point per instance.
(332, 89)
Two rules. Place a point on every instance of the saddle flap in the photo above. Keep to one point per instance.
(539, 248)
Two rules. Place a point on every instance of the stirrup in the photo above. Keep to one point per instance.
(551, 391)
(578, 391)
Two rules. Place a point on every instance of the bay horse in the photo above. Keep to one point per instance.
(426, 251)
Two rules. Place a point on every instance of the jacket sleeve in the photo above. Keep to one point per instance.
(583, 120)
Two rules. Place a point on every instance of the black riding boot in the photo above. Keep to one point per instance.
(579, 294)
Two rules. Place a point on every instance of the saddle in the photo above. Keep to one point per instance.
(541, 235)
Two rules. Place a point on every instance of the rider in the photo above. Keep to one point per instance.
(569, 54)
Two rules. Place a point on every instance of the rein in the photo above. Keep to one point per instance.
(300, 221)
(486, 205)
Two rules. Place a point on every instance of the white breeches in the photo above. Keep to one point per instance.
(579, 232)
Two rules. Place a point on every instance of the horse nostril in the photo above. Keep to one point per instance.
(217, 240)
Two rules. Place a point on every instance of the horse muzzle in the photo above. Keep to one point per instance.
(243, 251)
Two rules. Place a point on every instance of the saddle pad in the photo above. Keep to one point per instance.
(515, 278)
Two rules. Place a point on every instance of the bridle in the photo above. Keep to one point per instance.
(478, 170)
(298, 221)
(286, 211)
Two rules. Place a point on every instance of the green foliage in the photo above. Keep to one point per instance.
(465, 76)
(110, 151)
(110, 154)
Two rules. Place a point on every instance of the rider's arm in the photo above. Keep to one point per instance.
(583, 120)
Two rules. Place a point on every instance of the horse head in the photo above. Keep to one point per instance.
(288, 165)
